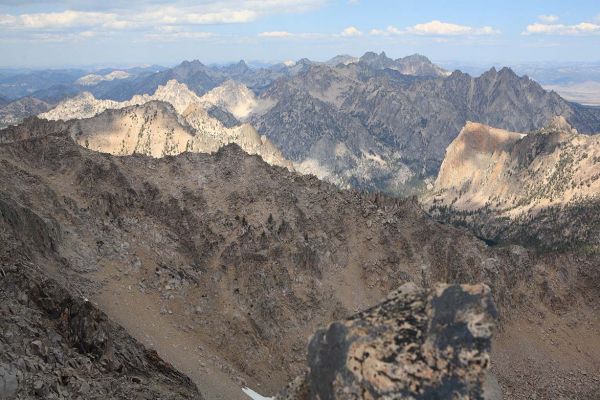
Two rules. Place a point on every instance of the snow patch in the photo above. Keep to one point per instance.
(255, 396)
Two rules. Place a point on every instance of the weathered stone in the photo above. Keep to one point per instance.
(417, 344)
(8, 382)
(63, 345)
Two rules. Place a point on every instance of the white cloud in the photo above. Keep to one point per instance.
(181, 35)
(146, 17)
(582, 28)
(389, 31)
(439, 28)
(296, 36)
(276, 34)
(548, 18)
(59, 20)
(435, 28)
(351, 31)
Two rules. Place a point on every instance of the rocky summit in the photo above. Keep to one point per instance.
(522, 185)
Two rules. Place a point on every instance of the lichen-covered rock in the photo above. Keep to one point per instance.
(417, 344)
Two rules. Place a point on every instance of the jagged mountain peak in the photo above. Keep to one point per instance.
(560, 124)
(236, 98)
(415, 57)
(191, 64)
(372, 54)
(85, 105)
(304, 61)
(415, 64)
(370, 57)
(344, 59)
(240, 66)
(181, 124)
(508, 73)
(178, 94)
(502, 73)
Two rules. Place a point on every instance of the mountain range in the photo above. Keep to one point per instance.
(381, 130)
(225, 265)
(183, 211)
(13, 112)
(171, 121)
(371, 123)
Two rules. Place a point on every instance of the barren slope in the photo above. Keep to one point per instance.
(225, 265)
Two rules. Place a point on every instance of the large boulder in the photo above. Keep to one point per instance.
(417, 344)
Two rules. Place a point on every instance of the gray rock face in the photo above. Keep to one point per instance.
(417, 344)
(8, 382)
(415, 64)
(14, 112)
(54, 345)
(398, 120)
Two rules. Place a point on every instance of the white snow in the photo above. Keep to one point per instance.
(255, 396)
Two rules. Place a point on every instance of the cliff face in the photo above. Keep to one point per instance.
(475, 162)
(545, 182)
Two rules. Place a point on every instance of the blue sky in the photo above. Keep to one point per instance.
(44, 33)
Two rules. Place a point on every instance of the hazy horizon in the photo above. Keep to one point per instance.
(52, 34)
(446, 63)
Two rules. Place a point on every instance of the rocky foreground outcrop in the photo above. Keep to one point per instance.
(54, 345)
(417, 344)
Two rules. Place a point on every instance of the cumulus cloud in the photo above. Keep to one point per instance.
(295, 36)
(147, 16)
(351, 31)
(439, 28)
(436, 28)
(582, 28)
(59, 20)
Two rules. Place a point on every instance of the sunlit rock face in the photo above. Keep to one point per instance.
(169, 122)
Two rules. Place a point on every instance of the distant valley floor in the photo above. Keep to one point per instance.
(586, 93)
